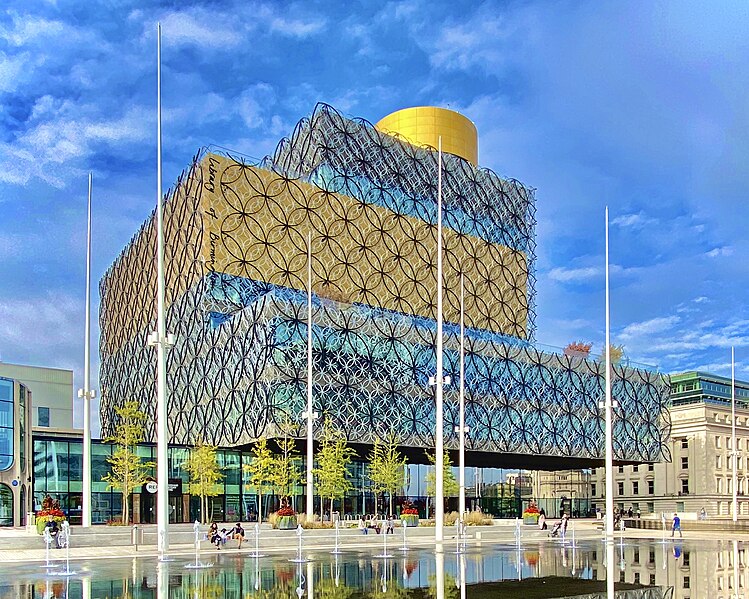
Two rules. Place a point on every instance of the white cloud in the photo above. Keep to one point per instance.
(296, 27)
(648, 327)
(254, 104)
(26, 28)
(566, 275)
(206, 29)
(10, 69)
(720, 251)
(631, 220)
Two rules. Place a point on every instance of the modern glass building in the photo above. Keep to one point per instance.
(236, 293)
(15, 449)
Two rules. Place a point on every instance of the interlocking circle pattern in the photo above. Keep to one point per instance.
(236, 241)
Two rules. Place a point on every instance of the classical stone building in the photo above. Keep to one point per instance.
(699, 475)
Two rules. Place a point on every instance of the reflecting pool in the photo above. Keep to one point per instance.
(687, 569)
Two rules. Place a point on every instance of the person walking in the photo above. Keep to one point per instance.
(676, 525)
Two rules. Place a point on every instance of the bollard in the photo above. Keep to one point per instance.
(135, 536)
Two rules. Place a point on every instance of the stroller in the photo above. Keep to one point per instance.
(555, 529)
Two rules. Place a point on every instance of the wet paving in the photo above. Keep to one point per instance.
(647, 569)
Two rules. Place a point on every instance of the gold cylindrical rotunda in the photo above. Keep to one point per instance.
(423, 125)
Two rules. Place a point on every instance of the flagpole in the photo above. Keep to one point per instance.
(86, 393)
(462, 417)
(439, 499)
(309, 414)
(608, 406)
(733, 437)
(161, 339)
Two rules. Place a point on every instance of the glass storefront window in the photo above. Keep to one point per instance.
(57, 466)
(99, 466)
(6, 424)
(75, 467)
(6, 505)
(22, 427)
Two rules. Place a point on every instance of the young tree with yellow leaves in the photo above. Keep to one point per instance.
(333, 459)
(387, 468)
(205, 474)
(261, 471)
(128, 469)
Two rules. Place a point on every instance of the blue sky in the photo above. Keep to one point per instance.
(638, 105)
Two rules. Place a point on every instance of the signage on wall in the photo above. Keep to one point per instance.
(151, 486)
(15, 482)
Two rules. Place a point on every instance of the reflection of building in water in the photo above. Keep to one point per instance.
(693, 573)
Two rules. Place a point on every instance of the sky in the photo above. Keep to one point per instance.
(638, 106)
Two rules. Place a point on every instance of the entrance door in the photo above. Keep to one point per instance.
(175, 508)
(147, 506)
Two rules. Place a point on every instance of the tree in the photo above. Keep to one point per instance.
(616, 353)
(450, 486)
(261, 471)
(287, 470)
(128, 469)
(205, 474)
(387, 468)
(333, 459)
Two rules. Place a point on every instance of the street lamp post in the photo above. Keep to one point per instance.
(87, 394)
(160, 339)
(608, 408)
(462, 429)
(439, 462)
(309, 414)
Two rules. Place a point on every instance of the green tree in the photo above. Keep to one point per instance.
(333, 459)
(128, 469)
(205, 474)
(387, 468)
(261, 471)
(287, 470)
(450, 486)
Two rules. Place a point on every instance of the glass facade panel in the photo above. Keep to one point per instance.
(6, 424)
(75, 467)
(22, 427)
(6, 505)
(57, 466)
(100, 467)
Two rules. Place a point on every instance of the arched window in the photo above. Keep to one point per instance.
(6, 424)
(6, 505)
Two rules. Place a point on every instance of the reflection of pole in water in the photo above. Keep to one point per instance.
(310, 579)
(439, 565)
(462, 577)
(86, 587)
(610, 570)
(162, 580)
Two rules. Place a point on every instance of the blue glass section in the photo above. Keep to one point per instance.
(395, 199)
(6, 423)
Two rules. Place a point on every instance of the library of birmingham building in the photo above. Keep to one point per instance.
(236, 296)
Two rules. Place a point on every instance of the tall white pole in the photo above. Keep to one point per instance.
(733, 438)
(86, 393)
(162, 474)
(462, 414)
(608, 407)
(309, 413)
(439, 486)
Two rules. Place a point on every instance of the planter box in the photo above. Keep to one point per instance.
(410, 520)
(530, 519)
(286, 522)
